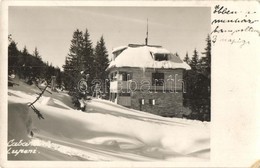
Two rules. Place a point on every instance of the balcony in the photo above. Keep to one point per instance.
(118, 86)
(114, 86)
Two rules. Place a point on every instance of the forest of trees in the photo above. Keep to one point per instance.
(84, 59)
(30, 67)
(198, 84)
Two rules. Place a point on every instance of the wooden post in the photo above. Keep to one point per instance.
(53, 83)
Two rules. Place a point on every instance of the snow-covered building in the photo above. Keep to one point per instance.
(147, 78)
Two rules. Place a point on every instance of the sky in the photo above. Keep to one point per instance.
(50, 29)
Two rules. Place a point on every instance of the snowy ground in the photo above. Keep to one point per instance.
(106, 132)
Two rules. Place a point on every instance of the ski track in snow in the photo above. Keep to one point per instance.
(106, 132)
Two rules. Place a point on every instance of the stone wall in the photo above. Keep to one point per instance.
(166, 104)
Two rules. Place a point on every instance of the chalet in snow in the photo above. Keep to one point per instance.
(147, 78)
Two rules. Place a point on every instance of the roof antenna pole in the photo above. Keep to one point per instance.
(146, 39)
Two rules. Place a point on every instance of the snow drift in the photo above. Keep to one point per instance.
(107, 131)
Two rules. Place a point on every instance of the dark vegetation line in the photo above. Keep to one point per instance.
(93, 61)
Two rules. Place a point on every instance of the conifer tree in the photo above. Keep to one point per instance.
(13, 54)
(76, 50)
(50, 71)
(25, 63)
(58, 75)
(88, 56)
(36, 54)
(197, 97)
(37, 64)
(73, 62)
(101, 59)
(76, 62)
(186, 58)
(176, 54)
(206, 60)
(101, 63)
(206, 82)
(27, 66)
(194, 60)
(67, 69)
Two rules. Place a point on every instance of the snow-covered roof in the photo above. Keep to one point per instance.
(142, 56)
(118, 48)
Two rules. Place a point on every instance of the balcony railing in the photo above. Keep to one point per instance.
(119, 86)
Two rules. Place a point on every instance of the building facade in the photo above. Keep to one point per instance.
(147, 78)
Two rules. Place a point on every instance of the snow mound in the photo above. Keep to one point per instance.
(19, 121)
(116, 142)
(47, 101)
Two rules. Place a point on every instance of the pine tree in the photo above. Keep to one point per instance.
(76, 50)
(25, 51)
(50, 71)
(101, 63)
(186, 58)
(194, 63)
(197, 81)
(67, 69)
(88, 56)
(206, 60)
(58, 77)
(74, 64)
(176, 54)
(206, 82)
(37, 64)
(36, 54)
(25, 63)
(10, 39)
(13, 54)
(27, 66)
(101, 59)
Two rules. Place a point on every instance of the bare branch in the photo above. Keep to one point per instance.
(37, 112)
(42, 89)
(38, 97)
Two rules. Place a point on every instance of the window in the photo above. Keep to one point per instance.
(157, 79)
(126, 76)
(152, 102)
(161, 57)
(114, 76)
(141, 101)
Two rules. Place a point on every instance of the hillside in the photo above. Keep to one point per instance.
(105, 132)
